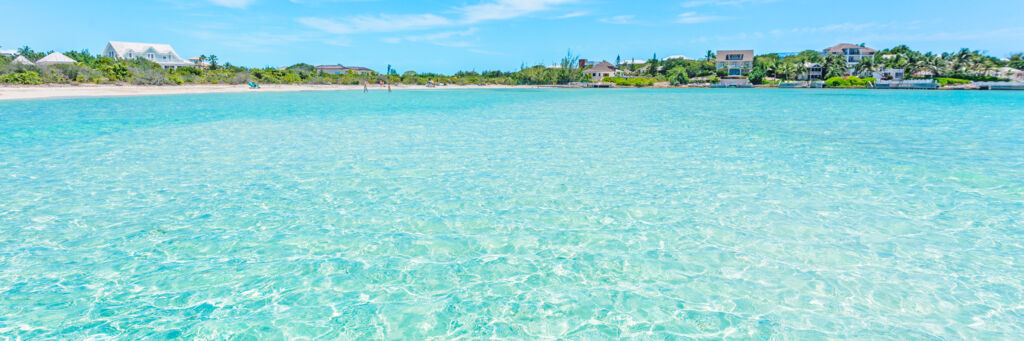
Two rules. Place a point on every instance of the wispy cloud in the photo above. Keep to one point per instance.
(572, 15)
(382, 23)
(467, 15)
(619, 20)
(448, 39)
(506, 9)
(233, 3)
(698, 3)
(694, 18)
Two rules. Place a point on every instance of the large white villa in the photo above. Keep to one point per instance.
(735, 62)
(162, 54)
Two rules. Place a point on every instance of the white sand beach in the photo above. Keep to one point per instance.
(89, 90)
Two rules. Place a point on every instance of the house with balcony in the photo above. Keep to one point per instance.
(814, 71)
(851, 53)
(162, 54)
(736, 62)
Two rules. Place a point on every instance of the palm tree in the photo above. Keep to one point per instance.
(213, 61)
(785, 69)
(866, 66)
(835, 66)
(769, 67)
(710, 56)
(962, 60)
(800, 68)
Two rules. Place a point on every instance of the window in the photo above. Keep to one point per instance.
(734, 57)
(735, 72)
(150, 56)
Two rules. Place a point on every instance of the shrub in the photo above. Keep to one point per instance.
(635, 81)
(27, 77)
(756, 76)
(176, 79)
(976, 78)
(849, 82)
(948, 81)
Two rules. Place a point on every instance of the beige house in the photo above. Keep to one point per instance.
(735, 62)
(162, 54)
(601, 70)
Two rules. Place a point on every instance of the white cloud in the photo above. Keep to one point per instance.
(572, 15)
(694, 18)
(492, 10)
(382, 23)
(619, 19)
(447, 39)
(233, 3)
(697, 3)
(506, 9)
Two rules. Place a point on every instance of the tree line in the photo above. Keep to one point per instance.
(964, 64)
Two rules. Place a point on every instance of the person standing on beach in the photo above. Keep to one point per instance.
(366, 87)
(389, 87)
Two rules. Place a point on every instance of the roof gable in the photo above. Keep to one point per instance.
(838, 49)
(22, 60)
(603, 67)
(56, 58)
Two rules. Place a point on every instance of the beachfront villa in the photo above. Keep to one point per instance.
(601, 70)
(162, 54)
(54, 59)
(339, 69)
(735, 62)
(851, 53)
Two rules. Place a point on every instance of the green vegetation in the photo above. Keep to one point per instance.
(27, 77)
(102, 70)
(948, 81)
(768, 69)
(849, 82)
(632, 81)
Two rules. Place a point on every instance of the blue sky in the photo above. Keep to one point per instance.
(446, 36)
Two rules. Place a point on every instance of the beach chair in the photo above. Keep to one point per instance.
(253, 85)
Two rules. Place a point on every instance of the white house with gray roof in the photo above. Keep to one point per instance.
(162, 54)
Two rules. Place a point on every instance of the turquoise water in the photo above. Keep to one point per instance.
(524, 214)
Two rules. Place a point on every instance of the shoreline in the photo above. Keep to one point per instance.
(62, 91)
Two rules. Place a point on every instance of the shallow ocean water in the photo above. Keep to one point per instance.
(523, 214)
